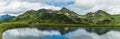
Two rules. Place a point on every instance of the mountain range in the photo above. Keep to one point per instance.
(66, 16)
(5, 18)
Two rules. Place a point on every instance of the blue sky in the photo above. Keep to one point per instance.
(17, 7)
(60, 4)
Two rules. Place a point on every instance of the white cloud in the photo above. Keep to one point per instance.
(34, 1)
(84, 6)
(16, 7)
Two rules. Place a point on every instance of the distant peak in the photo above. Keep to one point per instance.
(30, 11)
(89, 13)
(99, 11)
(64, 9)
(102, 12)
(6, 14)
(42, 10)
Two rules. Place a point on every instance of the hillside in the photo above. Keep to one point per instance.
(66, 16)
(99, 17)
(102, 17)
(48, 16)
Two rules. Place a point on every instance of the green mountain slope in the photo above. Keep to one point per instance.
(116, 19)
(47, 16)
(99, 17)
(66, 16)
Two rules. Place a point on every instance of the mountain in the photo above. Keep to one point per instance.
(116, 19)
(102, 17)
(5, 18)
(47, 16)
(74, 16)
(66, 16)
(99, 17)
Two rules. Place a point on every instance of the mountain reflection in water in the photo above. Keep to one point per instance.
(33, 33)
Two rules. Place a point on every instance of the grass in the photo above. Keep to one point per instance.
(98, 28)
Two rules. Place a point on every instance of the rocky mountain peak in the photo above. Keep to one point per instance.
(102, 12)
(64, 9)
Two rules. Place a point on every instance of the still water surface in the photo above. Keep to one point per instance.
(34, 33)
